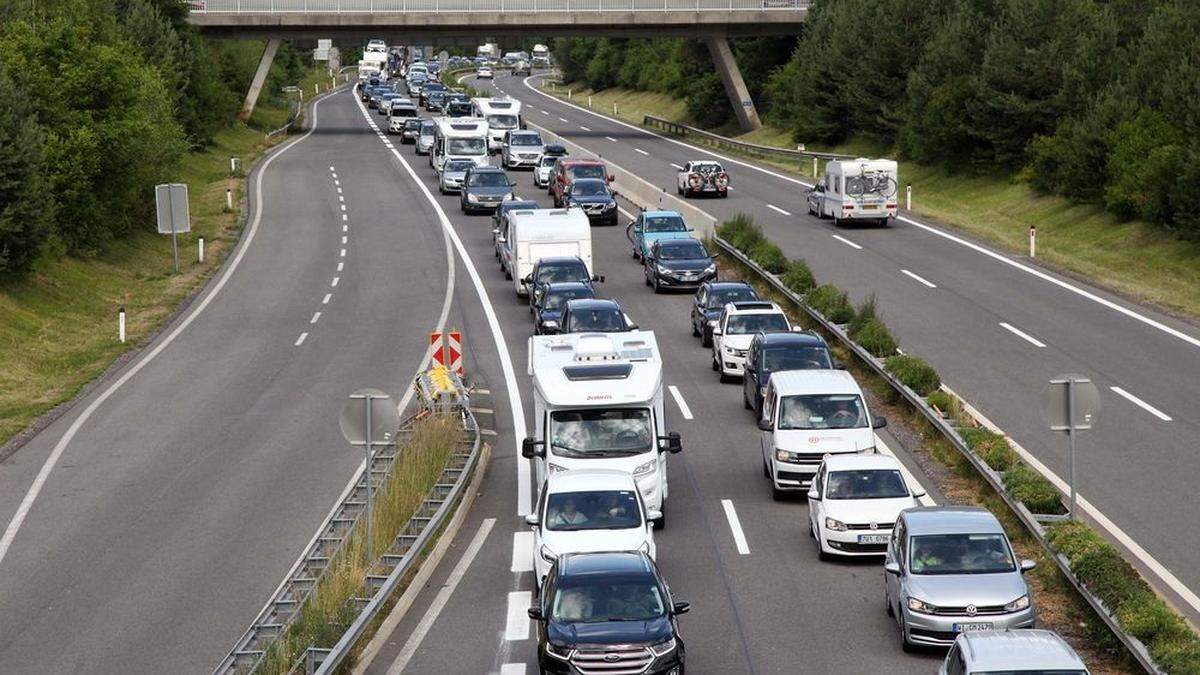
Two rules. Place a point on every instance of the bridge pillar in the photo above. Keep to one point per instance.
(260, 78)
(735, 87)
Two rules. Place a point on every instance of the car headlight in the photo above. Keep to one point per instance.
(921, 606)
(547, 555)
(712, 323)
(710, 269)
(785, 456)
(550, 323)
(472, 198)
(663, 648)
(728, 350)
(662, 270)
(555, 468)
(1018, 604)
(835, 525)
(647, 468)
(610, 206)
(559, 652)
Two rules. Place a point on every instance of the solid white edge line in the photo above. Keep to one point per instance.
(683, 406)
(677, 166)
(739, 537)
(847, 242)
(776, 208)
(1155, 567)
(516, 623)
(883, 449)
(522, 553)
(1141, 404)
(300, 340)
(920, 279)
(1023, 335)
(442, 597)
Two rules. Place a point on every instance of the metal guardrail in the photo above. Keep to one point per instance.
(489, 6)
(678, 129)
(993, 478)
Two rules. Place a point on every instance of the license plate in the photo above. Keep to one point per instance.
(873, 538)
(869, 207)
(968, 627)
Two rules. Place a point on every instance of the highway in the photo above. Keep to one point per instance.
(996, 327)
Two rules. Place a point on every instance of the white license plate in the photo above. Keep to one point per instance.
(869, 207)
(968, 627)
(872, 538)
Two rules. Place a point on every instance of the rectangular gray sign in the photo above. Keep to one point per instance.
(171, 200)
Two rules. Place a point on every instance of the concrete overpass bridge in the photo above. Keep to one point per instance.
(425, 21)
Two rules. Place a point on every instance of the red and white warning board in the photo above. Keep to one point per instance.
(445, 349)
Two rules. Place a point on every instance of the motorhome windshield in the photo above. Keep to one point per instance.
(615, 432)
(502, 121)
(822, 411)
(466, 146)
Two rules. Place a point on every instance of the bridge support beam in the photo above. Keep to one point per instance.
(735, 87)
(260, 78)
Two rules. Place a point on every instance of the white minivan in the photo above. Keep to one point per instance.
(806, 415)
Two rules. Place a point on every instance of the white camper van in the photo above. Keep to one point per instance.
(541, 56)
(459, 138)
(598, 404)
(528, 235)
(856, 189)
(501, 115)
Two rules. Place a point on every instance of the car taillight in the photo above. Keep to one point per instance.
(891, 206)
(847, 206)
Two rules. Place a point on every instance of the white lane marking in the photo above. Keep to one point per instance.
(1192, 340)
(300, 340)
(1102, 520)
(739, 537)
(777, 209)
(584, 128)
(641, 151)
(512, 669)
(341, 266)
(341, 198)
(611, 139)
(343, 207)
(683, 406)
(343, 239)
(522, 553)
(326, 299)
(562, 119)
(316, 317)
(442, 597)
(331, 169)
(516, 625)
(339, 192)
(1023, 335)
(35, 489)
(908, 475)
(677, 166)
(345, 217)
(543, 112)
(1141, 404)
(516, 409)
(847, 242)
(919, 278)
(335, 281)
(342, 253)
(336, 181)
(345, 228)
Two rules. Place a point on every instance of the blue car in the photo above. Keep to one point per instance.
(548, 311)
(652, 226)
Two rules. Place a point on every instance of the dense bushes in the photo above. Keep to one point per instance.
(832, 303)
(915, 373)
(991, 447)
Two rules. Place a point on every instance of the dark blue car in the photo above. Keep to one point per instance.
(548, 312)
(710, 298)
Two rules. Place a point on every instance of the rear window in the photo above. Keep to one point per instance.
(587, 171)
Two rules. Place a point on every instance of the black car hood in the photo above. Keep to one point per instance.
(686, 265)
(609, 632)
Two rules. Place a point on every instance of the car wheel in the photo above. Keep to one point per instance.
(646, 279)
(724, 195)
(706, 338)
(905, 646)
(657, 285)
(723, 378)
(661, 523)
(821, 554)
(679, 190)
(746, 401)
(716, 366)
(695, 333)
(766, 471)
(887, 605)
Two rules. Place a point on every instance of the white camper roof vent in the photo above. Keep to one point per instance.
(595, 347)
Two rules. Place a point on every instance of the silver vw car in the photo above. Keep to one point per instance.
(951, 570)
(1012, 651)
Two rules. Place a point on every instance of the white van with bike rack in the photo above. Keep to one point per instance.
(459, 138)
(856, 189)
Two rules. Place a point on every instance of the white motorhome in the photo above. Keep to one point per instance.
(501, 115)
(459, 138)
(856, 189)
(372, 64)
(489, 50)
(598, 404)
(541, 55)
(528, 235)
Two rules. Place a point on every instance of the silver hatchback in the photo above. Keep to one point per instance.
(951, 570)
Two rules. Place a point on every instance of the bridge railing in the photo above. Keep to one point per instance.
(486, 6)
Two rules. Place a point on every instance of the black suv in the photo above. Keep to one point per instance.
(556, 269)
(773, 352)
(595, 198)
(710, 299)
(608, 612)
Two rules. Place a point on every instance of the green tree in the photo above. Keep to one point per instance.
(25, 204)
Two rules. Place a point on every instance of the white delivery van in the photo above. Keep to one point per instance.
(533, 234)
(459, 138)
(376, 61)
(858, 189)
(598, 404)
(501, 115)
(806, 415)
(541, 55)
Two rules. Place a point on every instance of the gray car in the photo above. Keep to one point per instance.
(1012, 651)
(451, 179)
(521, 148)
(483, 188)
(426, 137)
(951, 570)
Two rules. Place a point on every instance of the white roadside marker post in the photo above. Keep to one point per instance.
(121, 325)
(200, 249)
(229, 199)
(1032, 241)
(908, 197)
(814, 166)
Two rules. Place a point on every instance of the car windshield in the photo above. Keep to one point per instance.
(459, 165)
(526, 139)
(466, 146)
(488, 179)
(960, 554)
(822, 411)
(412, 124)
(435, 86)
(556, 299)
(599, 510)
(427, 128)
(587, 171)
(549, 161)
(686, 250)
(665, 224)
(502, 121)
(599, 320)
(865, 484)
(615, 432)
(403, 111)
(549, 274)
(588, 189)
(592, 598)
(720, 296)
(742, 324)
(795, 357)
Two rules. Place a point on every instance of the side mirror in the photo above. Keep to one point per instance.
(611, 178)
(812, 494)
(535, 613)
(717, 330)
(653, 514)
(764, 424)
(681, 608)
(1027, 565)
(892, 568)
(879, 422)
(532, 520)
(797, 328)
(531, 448)
(674, 442)
(918, 493)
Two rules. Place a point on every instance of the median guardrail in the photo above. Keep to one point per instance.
(994, 479)
(683, 130)
(488, 6)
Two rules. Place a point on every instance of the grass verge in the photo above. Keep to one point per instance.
(1133, 258)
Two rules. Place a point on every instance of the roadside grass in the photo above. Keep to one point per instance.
(58, 325)
(329, 610)
(1132, 258)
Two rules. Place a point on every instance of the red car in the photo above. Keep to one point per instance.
(567, 170)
